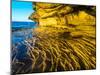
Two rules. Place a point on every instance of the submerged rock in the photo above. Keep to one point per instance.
(65, 39)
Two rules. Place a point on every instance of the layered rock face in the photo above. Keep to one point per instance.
(65, 38)
(62, 16)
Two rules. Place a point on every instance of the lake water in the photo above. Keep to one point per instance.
(22, 31)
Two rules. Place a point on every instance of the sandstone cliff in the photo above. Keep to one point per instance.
(66, 36)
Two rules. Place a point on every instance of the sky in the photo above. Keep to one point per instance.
(21, 10)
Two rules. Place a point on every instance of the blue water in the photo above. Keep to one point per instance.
(22, 31)
(23, 25)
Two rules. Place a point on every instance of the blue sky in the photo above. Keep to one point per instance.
(21, 10)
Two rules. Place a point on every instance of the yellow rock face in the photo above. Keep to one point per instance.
(66, 40)
(57, 15)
